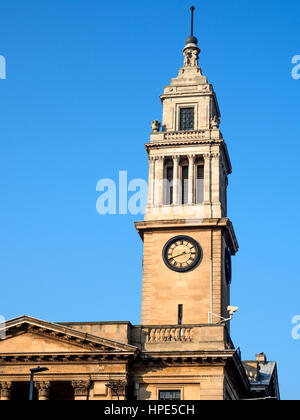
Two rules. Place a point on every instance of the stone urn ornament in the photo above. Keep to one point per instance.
(215, 122)
(155, 126)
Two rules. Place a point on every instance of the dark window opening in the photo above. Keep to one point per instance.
(180, 314)
(186, 119)
(61, 391)
(185, 181)
(169, 395)
(200, 185)
(169, 186)
(20, 392)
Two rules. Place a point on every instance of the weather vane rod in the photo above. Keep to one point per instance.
(192, 20)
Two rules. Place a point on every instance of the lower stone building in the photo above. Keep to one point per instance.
(117, 361)
(183, 349)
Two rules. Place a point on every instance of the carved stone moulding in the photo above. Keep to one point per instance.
(183, 143)
(186, 360)
(6, 389)
(117, 388)
(43, 389)
(64, 358)
(80, 388)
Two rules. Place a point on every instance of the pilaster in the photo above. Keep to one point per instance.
(158, 184)
(216, 202)
(81, 389)
(43, 389)
(118, 389)
(6, 390)
(151, 181)
(207, 185)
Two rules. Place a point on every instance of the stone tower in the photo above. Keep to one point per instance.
(188, 238)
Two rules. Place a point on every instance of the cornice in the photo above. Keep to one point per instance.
(186, 358)
(187, 142)
(223, 223)
(64, 358)
(182, 143)
(185, 90)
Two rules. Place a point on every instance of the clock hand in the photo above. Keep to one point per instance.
(179, 255)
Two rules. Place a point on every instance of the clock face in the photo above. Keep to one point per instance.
(228, 269)
(182, 254)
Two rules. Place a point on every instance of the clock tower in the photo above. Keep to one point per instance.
(183, 349)
(188, 237)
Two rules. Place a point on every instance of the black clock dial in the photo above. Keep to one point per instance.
(228, 268)
(182, 254)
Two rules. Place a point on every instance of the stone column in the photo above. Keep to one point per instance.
(81, 390)
(5, 390)
(43, 389)
(207, 185)
(191, 180)
(215, 188)
(175, 180)
(151, 181)
(159, 178)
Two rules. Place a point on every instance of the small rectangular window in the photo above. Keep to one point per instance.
(180, 314)
(187, 119)
(169, 395)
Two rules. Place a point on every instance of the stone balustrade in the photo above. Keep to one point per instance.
(172, 334)
(178, 135)
(170, 136)
(193, 337)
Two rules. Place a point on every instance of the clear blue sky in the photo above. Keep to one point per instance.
(83, 84)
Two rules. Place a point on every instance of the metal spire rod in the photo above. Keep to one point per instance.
(192, 20)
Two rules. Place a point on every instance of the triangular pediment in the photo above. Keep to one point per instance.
(30, 335)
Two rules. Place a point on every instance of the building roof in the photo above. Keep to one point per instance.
(266, 371)
(262, 376)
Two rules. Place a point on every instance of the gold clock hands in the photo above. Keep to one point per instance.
(179, 255)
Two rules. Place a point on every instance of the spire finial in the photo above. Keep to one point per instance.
(192, 39)
(192, 20)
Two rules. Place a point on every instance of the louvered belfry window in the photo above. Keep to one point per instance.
(187, 119)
